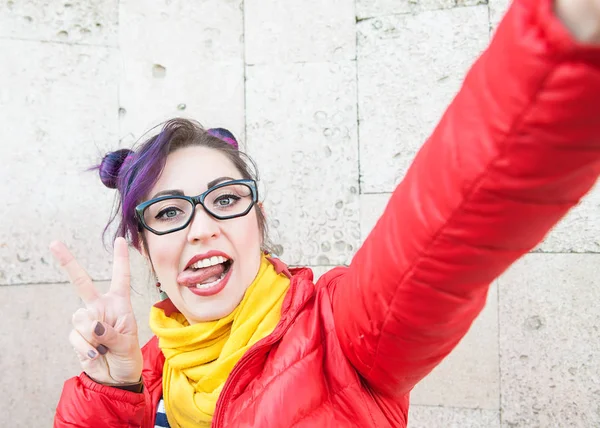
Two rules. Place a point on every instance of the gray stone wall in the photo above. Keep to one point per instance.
(332, 98)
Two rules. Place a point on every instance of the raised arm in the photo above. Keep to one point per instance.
(517, 148)
(104, 338)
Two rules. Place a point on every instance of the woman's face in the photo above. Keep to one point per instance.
(189, 170)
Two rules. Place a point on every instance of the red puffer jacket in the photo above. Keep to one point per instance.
(517, 148)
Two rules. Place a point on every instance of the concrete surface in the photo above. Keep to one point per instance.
(332, 99)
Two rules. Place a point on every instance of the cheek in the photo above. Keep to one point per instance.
(248, 234)
(164, 251)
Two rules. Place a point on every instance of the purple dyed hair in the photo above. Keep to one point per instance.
(134, 172)
(224, 135)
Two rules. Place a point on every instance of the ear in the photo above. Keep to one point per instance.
(263, 237)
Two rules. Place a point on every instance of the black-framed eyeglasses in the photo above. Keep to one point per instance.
(170, 213)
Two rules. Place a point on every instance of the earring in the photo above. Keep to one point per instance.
(163, 295)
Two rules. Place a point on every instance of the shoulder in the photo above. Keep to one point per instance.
(303, 287)
(304, 273)
(303, 281)
(330, 277)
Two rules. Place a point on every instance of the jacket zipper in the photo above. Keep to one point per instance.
(268, 341)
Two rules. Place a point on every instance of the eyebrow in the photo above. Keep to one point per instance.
(179, 192)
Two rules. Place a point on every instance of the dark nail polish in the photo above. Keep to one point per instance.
(99, 329)
(102, 349)
(92, 354)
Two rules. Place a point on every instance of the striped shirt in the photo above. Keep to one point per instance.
(161, 416)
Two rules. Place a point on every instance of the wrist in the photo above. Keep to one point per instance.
(581, 17)
(134, 386)
(137, 387)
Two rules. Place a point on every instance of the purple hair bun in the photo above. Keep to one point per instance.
(225, 135)
(111, 165)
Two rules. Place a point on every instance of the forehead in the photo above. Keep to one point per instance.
(191, 168)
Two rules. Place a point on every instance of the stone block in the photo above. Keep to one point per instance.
(549, 344)
(578, 232)
(212, 94)
(371, 208)
(409, 69)
(90, 23)
(181, 59)
(447, 417)
(37, 356)
(208, 30)
(299, 31)
(376, 8)
(468, 377)
(59, 116)
(301, 130)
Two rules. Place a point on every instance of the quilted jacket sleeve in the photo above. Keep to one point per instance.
(517, 148)
(85, 403)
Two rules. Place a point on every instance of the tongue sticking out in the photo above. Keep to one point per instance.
(211, 279)
(191, 277)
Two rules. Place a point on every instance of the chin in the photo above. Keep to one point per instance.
(211, 315)
(202, 309)
(213, 307)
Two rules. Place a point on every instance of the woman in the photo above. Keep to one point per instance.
(242, 340)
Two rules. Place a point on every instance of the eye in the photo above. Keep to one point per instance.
(226, 200)
(168, 213)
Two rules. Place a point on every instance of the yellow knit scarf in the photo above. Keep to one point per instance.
(200, 357)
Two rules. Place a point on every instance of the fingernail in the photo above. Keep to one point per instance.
(102, 349)
(99, 329)
(92, 354)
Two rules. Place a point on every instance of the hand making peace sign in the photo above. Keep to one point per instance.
(104, 335)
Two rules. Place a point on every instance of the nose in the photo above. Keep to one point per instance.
(203, 226)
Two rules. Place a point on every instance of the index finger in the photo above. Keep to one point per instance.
(77, 275)
(121, 278)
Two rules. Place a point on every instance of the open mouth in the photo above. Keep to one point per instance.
(209, 276)
(206, 274)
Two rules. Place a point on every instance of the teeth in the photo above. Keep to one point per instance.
(210, 261)
(211, 284)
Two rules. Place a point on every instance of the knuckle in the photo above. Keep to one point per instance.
(80, 281)
(93, 313)
(78, 317)
(66, 259)
(84, 327)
